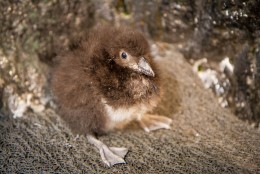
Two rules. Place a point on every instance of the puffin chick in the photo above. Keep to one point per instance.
(103, 82)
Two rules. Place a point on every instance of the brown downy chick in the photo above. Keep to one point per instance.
(105, 81)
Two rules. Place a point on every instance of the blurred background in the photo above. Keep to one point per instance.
(219, 38)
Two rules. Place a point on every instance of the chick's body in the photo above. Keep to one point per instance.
(105, 80)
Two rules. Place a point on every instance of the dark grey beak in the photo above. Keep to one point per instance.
(145, 68)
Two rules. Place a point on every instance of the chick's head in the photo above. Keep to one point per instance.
(129, 49)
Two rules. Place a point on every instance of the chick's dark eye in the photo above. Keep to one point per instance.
(124, 55)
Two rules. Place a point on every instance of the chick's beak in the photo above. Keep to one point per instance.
(144, 67)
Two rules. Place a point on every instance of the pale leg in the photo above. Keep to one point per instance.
(153, 122)
(109, 155)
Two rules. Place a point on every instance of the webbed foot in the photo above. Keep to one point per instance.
(153, 122)
(109, 155)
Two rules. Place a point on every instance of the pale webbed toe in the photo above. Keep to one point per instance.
(113, 155)
(153, 122)
(120, 151)
(110, 155)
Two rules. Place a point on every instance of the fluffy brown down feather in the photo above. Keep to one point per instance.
(88, 73)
